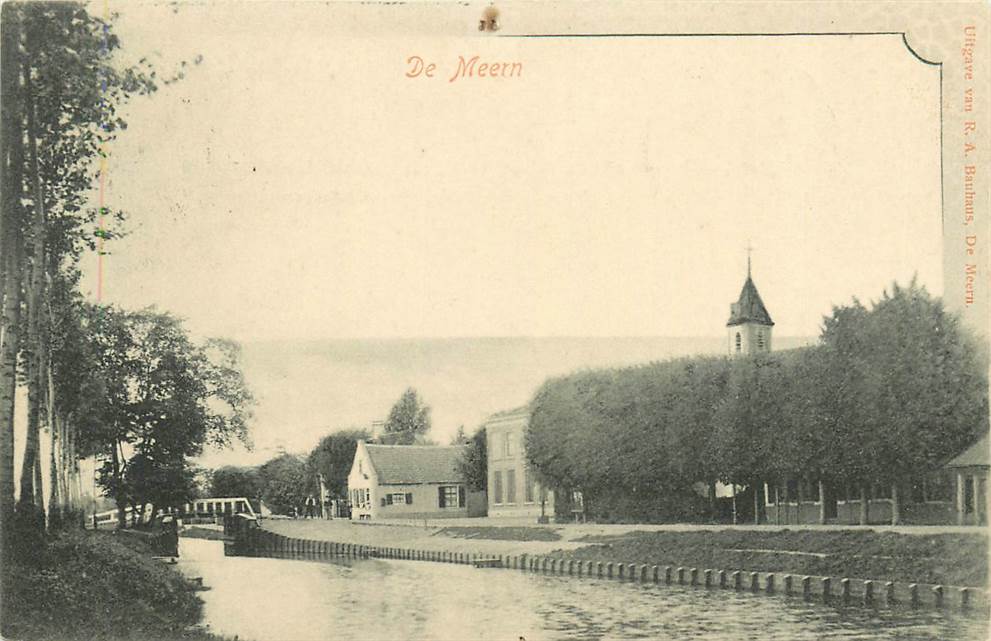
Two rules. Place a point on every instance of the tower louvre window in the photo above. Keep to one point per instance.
(760, 340)
(739, 342)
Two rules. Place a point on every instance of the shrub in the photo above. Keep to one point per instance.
(97, 586)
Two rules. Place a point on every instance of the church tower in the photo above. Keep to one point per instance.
(749, 325)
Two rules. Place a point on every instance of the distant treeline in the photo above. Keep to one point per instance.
(889, 394)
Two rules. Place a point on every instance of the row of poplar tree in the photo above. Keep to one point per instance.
(889, 393)
(130, 388)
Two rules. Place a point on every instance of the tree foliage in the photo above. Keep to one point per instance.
(286, 484)
(232, 481)
(473, 464)
(332, 459)
(891, 392)
(162, 399)
(409, 419)
(63, 90)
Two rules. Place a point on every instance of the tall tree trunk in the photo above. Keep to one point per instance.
(758, 487)
(63, 476)
(801, 499)
(55, 507)
(864, 506)
(36, 303)
(734, 502)
(822, 503)
(11, 253)
(712, 500)
(118, 488)
(777, 503)
(72, 488)
(896, 507)
(39, 495)
(787, 498)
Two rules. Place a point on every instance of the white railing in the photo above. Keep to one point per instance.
(201, 508)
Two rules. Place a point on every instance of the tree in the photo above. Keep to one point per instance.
(61, 92)
(332, 459)
(409, 419)
(473, 464)
(892, 392)
(286, 484)
(163, 400)
(160, 483)
(912, 387)
(60, 97)
(231, 481)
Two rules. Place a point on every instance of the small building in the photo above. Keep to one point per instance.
(971, 471)
(407, 482)
(512, 488)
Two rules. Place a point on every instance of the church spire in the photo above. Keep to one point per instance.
(749, 324)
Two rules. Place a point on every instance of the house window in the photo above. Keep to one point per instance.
(368, 497)
(450, 496)
(527, 486)
(508, 444)
(497, 487)
(398, 498)
(510, 486)
(739, 342)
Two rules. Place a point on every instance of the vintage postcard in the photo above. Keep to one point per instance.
(494, 320)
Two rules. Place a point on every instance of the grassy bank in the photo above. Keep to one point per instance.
(501, 533)
(949, 559)
(99, 585)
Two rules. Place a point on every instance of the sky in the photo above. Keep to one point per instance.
(296, 189)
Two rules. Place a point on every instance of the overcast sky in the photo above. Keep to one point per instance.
(295, 185)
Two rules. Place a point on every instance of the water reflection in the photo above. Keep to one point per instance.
(282, 600)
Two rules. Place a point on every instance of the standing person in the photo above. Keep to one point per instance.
(169, 537)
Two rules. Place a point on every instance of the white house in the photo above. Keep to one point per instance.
(406, 482)
(512, 488)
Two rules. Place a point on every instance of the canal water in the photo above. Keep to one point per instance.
(261, 599)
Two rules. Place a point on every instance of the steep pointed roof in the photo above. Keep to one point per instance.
(749, 308)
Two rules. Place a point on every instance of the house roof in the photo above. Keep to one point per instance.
(974, 456)
(411, 464)
(749, 308)
(523, 410)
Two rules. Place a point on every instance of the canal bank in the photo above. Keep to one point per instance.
(884, 569)
(311, 598)
(85, 585)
